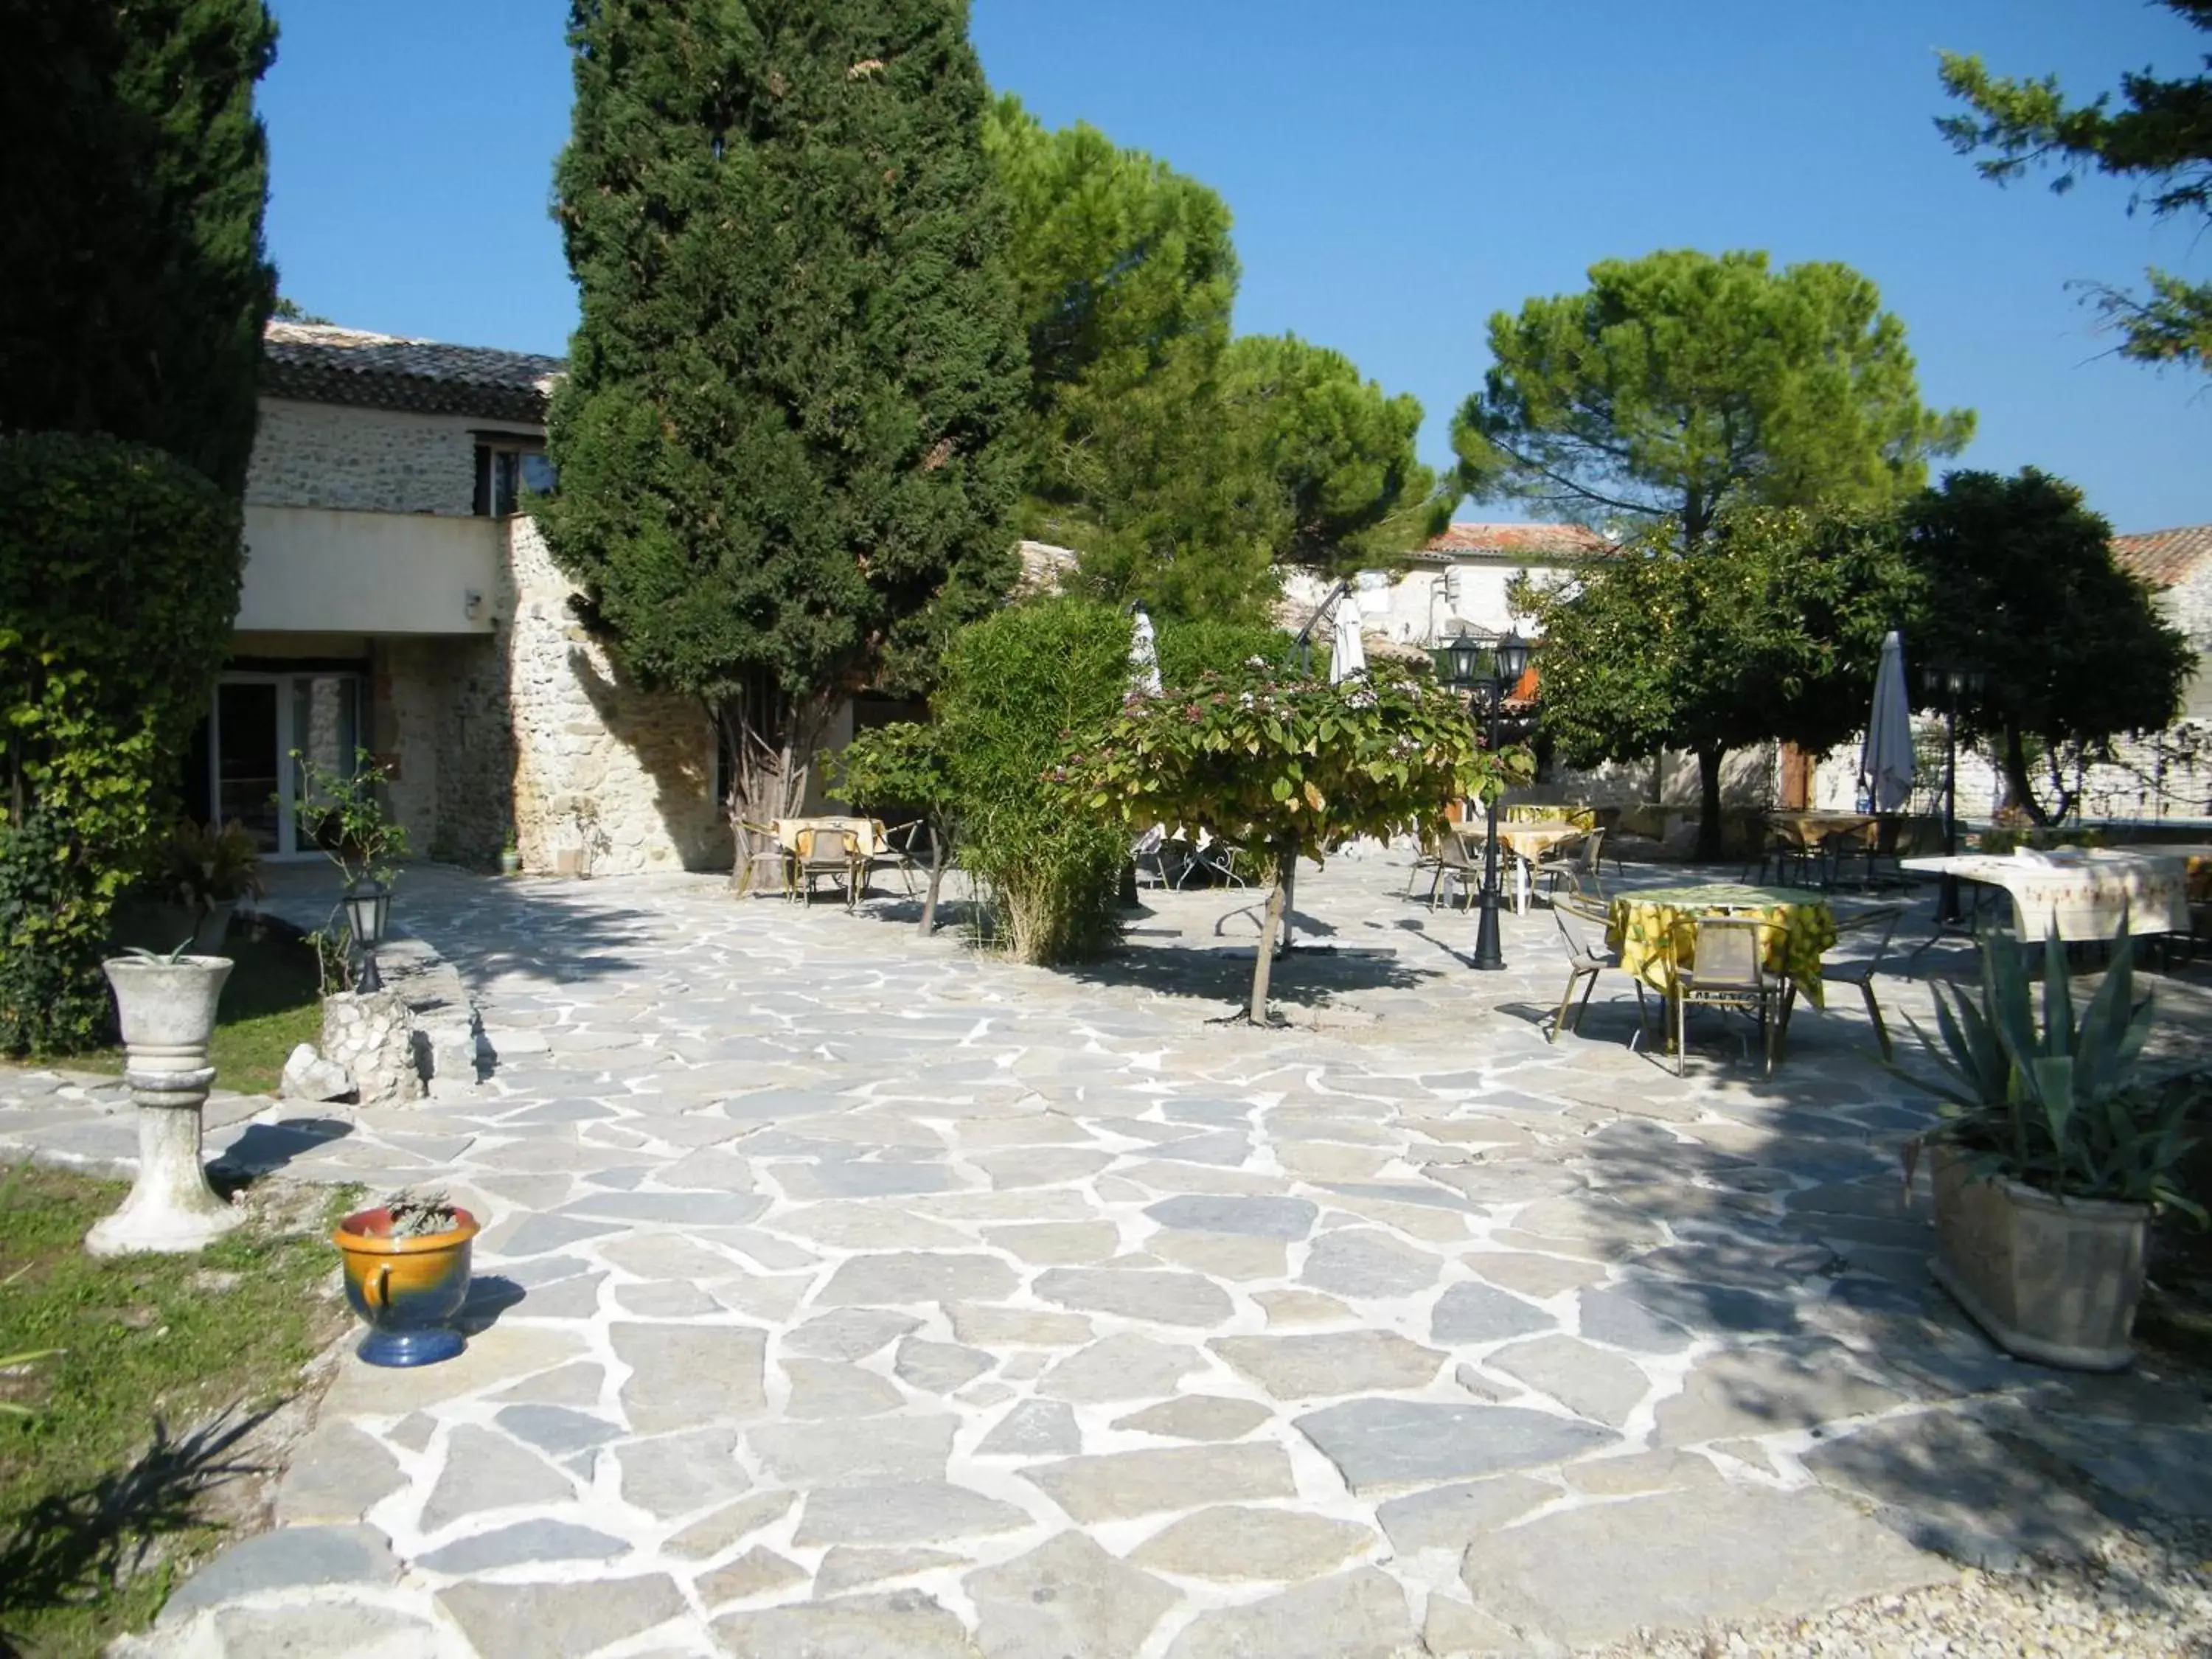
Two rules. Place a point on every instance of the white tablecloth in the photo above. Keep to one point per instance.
(2086, 891)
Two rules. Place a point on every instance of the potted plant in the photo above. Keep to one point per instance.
(407, 1274)
(2050, 1155)
(510, 857)
(208, 870)
(345, 815)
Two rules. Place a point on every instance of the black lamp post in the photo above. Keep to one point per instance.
(368, 908)
(1509, 657)
(1952, 684)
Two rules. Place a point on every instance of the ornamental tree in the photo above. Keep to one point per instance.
(902, 767)
(1680, 385)
(1295, 766)
(782, 440)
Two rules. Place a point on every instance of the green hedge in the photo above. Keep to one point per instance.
(1189, 650)
(1017, 691)
(119, 571)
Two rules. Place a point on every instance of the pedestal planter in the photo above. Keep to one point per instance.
(2050, 1280)
(167, 1009)
(406, 1289)
(510, 862)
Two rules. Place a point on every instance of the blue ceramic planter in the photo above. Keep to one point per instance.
(407, 1290)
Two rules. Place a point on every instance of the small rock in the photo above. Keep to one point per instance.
(308, 1075)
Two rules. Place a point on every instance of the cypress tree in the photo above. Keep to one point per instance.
(133, 280)
(782, 470)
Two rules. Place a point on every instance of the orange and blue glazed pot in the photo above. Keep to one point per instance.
(406, 1289)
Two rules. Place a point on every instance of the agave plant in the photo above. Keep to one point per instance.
(2057, 1104)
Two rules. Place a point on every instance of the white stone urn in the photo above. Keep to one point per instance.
(2052, 1279)
(166, 1008)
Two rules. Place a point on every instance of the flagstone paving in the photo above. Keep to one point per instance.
(842, 1293)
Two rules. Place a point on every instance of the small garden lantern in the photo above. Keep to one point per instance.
(368, 909)
(1952, 684)
(1509, 660)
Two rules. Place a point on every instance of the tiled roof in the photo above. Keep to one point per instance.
(320, 364)
(1535, 540)
(2163, 558)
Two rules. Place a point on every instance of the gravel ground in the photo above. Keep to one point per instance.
(2145, 1593)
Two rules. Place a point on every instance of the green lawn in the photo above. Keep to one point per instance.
(115, 1452)
(270, 1004)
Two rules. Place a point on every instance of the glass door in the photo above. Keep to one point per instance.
(260, 721)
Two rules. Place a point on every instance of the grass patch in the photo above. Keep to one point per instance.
(114, 1451)
(271, 1003)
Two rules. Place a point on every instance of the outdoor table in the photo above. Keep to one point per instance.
(1523, 840)
(2082, 890)
(1810, 830)
(1655, 930)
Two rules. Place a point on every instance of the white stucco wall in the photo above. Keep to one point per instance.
(309, 569)
(1422, 606)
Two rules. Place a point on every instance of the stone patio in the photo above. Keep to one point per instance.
(843, 1293)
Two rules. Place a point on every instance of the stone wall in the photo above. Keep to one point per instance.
(363, 460)
(441, 718)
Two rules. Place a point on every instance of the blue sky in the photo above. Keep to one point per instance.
(1398, 169)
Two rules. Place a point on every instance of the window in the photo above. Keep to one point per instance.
(505, 468)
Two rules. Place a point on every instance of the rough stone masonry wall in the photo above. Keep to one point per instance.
(599, 764)
(371, 461)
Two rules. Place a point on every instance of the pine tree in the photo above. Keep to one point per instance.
(782, 472)
(133, 280)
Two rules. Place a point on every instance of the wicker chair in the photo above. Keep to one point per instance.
(1728, 970)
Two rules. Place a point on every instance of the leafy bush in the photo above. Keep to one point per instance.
(901, 769)
(199, 865)
(1019, 689)
(1190, 650)
(119, 570)
(343, 815)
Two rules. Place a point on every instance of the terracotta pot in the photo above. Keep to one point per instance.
(2054, 1280)
(406, 1289)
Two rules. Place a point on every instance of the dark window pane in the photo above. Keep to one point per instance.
(537, 472)
(505, 474)
(481, 504)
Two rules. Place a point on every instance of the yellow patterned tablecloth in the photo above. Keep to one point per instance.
(1654, 931)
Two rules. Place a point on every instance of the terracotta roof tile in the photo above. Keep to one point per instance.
(2163, 558)
(1556, 540)
(320, 364)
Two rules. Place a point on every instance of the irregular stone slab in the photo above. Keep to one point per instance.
(996, 1327)
(671, 1209)
(667, 1256)
(559, 1621)
(338, 1630)
(1601, 1573)
(485, 1470)
(1120, 1484)
(1986, 1499)
(506, 1352)
(1465, 1633)
(1641, 1471)
(537, 1540)
(908, 1512)
(1755, 1391)
(857, 1178)
(1364, 1263)
(912, 1278)
(1538, 1277)
(660, 1300)
(1067, 1598)
(684, 1375)
(827, 1388)
(579, 1384)
(1040, 1166)
(1357, 1615)
(1482, 1313)
(1593, 1383)
(849, 1332)
(679, 1472)
(286, 1558)
(1224, 1148)
(1294, 1308)
(1379, 1444)
(336, 1474)
(1235, 1543)
(904, 1624)
(1619, 1321)
(2157, 1464)
(756, 1573)
(1124, 1367)
(1447, 1517)
(725, 1526)
(1330, 1365)
(1198, 1417)
(846, 1567)
(1166, 1298)
(1613, 1227)
(1252, 1218)
(1222, 1256)
(1034, 1428)
(1058, 1243)
(939, 1367)
(540, 1235)
(809, 1455)
(556, 1429)
(1714, 1309)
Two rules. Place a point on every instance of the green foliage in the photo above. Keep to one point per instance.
(343, 815)
(1679, 384)
(119, 570)
(782, 440)
(901, 769)
(2055, 1103)
(2022, 582)
(1771, 629)
(1019, 689)
(419, 1214)
(1191, 647)
(2162, 135)
(199, 865)
(134, 284)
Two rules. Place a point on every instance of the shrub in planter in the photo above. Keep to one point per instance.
(2050, 1155)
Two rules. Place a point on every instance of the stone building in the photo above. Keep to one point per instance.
(397, 600)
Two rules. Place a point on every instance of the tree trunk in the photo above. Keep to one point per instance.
(936, 846)
(1287, 880)
(767, 741)
(1709, 803)
(2018, 785)
(1263, 960)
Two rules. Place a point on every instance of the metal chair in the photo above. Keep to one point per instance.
(1728, 970)
(1585, 963)
(1454, 863)
(1881, 922)
(832, 852)
(1149, 854)
(1579, 860)
(758, 844)
(896, 850)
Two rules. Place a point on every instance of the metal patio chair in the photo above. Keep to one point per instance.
(1879, 923)
(1586, 962)
(1728, 970)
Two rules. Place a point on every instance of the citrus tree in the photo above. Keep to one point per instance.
(1266, 759)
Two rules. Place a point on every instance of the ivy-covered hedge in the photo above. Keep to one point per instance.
(1016, 690)
(119, 571)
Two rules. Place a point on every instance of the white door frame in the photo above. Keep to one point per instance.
(288, 827)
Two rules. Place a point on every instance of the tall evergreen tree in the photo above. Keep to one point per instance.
(784, 472)
(133, 280)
